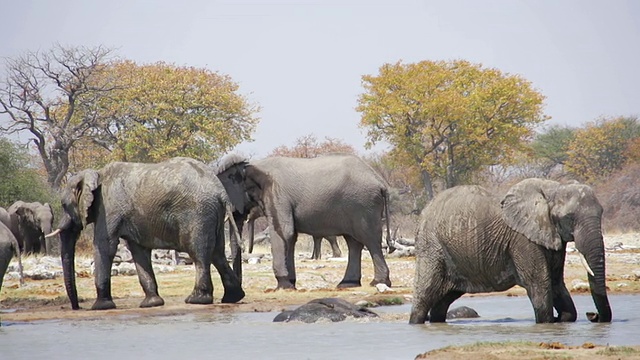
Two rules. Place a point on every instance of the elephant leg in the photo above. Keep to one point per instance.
(142, 259)
(380, 268)
(291, 257)
(201, 252)
(335, 249)
(104, 251)
(353, 274)
(439, 310)
(281, 242)
(232, 284)
(317, 247)
(535, 277)
(429, 283)
(562, 301)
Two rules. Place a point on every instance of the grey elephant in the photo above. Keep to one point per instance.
(317, 247)
(29, 222)
(470, 241)
(325, 196)
(332, 309)
(8, 247)
(255, 213)
(177, 204)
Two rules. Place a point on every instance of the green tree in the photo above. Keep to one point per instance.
(19, 178)
(308, 146)
(448, 118)
(602, 147)
(552, 146)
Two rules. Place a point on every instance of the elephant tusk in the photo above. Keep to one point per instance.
(584, 263)
(58, 231)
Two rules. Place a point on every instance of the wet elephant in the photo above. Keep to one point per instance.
(471, 241)
(177, 204)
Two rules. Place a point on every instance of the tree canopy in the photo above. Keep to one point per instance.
(308, 146)
(448, 118)
(158, 111)
(19, 179)
(602, 147)
(72, 101)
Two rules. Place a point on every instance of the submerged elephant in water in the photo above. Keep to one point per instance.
(333, 309)
(462, 312)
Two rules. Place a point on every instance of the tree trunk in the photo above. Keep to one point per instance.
(427, 184)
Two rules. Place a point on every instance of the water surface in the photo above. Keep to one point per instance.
(254, 336)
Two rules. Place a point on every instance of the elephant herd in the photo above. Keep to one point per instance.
(468, 240)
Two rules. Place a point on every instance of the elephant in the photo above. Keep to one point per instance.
(329, 195)
(317, 240)
(317, 247)
(8, 247)
(176, 204)
(29, 222)
(462, 312)
(471, 241)
(333, 309)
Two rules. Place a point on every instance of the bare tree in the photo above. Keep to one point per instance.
(52, 96)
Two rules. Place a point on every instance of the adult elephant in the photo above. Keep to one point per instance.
(317, 247)
(29, 222)
(177, 204)
(323, 196)
(469, 241)
(255, 213)
(8, 247)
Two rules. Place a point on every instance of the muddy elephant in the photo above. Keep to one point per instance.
(332, 309)
(177, 204)
(330, 195)
(470, 241)
(8, 248)
(29, 222)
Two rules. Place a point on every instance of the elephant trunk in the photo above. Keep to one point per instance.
(589, 242)
(68, 237)
(251, 236)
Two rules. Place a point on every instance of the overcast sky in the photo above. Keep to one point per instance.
(302, 61)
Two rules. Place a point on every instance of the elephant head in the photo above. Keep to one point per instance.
(78, 205)
(29, 222)
(551, 214)
(244, 183)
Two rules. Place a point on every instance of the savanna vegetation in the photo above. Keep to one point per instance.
(445, 123)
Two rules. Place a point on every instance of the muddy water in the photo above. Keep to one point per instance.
(254, 336)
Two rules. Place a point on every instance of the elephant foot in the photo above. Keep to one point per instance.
(232, 296)
(375, 282)
(593, 317)
(103, 304)
(344, 284)
(566, 317)
(285, 283)
(152, 301)
(199, 298)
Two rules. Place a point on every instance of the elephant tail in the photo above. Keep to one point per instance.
(16, 248)
(390, 242)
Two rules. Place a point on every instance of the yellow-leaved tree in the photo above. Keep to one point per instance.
(602, 147)
(158, 111)
(448, 118)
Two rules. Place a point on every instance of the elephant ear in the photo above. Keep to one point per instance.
(258, 183)
(80, 193)
(526, 210)
(231, 175)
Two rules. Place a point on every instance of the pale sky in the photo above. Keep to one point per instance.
(302, 61)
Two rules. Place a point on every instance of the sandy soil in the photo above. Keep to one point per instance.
(529, 350)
